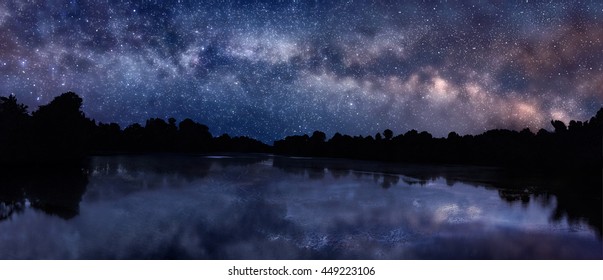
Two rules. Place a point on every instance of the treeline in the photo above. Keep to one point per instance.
(59, 132)
(577, 147)
(157, 135)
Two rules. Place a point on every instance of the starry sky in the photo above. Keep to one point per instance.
(268, 69)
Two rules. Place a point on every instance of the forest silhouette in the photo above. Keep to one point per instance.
(60, 132)
(55, 141)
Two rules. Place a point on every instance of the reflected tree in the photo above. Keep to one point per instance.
(55, 191)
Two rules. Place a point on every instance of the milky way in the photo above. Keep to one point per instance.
(267, 69)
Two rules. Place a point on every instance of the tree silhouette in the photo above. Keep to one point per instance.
(453, 136)
(65, 107)
(134, 137)
(577, 149)
(193, 136)
(14, 126)
(559, 126)
(108, 138)
(59, 131)
(388, 134)
(9, 107)
(56, 132)
(160, 135)
(318, 137)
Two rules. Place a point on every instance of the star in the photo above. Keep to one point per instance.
(269, 69)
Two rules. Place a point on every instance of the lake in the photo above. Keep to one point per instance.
(272, 207)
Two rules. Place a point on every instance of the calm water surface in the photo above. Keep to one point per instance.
(195, 207)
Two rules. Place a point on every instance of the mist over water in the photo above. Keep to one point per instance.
(264, 207)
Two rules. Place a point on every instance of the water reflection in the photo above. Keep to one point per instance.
(55, 191)
(259, 207)
(572, 203)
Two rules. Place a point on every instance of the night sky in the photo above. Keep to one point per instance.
(268, 69)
